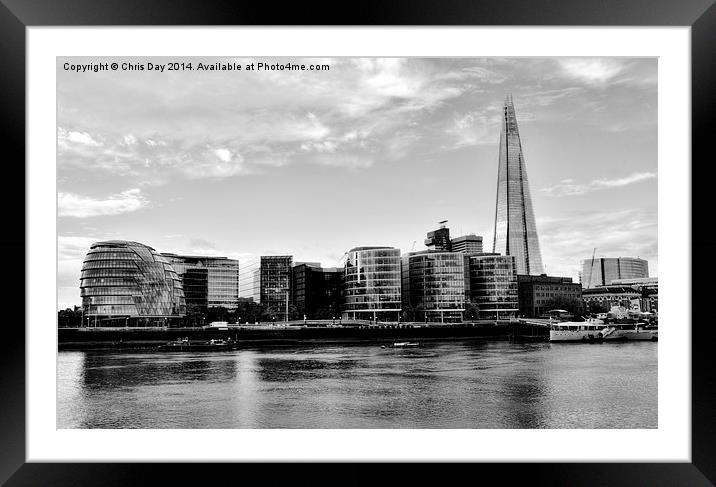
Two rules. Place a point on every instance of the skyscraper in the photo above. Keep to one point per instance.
(515, 229)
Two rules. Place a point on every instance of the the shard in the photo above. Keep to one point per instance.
(515, 230)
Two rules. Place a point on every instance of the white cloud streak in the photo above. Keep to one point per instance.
(567, 187)
(77, 206)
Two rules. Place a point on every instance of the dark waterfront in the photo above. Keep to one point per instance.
(449, 384)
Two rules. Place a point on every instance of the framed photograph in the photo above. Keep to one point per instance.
(432, 235)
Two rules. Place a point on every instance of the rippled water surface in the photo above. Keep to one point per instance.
(460, 384)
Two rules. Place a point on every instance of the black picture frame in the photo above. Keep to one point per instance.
(16, 15)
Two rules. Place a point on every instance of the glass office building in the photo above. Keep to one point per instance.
(123, 281)
(434, 285)
(493, 285)
(267, 281)
(208, 281)
(316, 290)
(604, 271)
(372, 281)
(515, 228)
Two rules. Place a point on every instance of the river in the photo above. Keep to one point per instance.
(447, 384)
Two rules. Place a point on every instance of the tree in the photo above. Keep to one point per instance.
(69, 318)
(472, 312)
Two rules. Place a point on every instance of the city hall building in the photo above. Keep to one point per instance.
(125, 283)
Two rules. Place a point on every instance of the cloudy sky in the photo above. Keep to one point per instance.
(374, 151)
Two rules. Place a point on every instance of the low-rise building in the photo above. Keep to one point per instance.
(543, 293)
(602, 298)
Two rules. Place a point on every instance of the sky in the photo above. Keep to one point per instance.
(372, 151)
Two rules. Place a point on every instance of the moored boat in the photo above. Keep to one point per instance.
(642, 332)
(405, 345)
(185, 345)
(577, 331)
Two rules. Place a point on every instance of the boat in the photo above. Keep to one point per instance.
(642, 332)
(185, 345)
(589, 330)
(405, 345)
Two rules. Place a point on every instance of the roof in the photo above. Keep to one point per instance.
(358, 249)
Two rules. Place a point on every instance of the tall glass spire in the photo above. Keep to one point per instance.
(515, 230)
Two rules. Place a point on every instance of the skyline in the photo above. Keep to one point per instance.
(374, 152)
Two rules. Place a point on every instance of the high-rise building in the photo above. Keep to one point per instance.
(433, 285)
(603, 271)
(208, 281)
(492, 284)
(316, 290)
(467, 244)
(371, 283)
(439, 239)
(515, 229)
(267, 280)
(129, 284)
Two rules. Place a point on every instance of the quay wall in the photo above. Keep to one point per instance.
(97, 338)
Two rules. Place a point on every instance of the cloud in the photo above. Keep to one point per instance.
(73, 205)
(129, 139)
(593, 71)
(67, 138)
(480, 127)
(567, 187)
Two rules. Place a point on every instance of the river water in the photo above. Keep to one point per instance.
(449, 384)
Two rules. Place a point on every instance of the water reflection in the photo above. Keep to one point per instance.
(462, 384)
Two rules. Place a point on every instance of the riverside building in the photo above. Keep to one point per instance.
(540, 294)
(267, 281)
(371, 284)
(515, 228)
(208, 281)
(433, 285)
(316, 290)
(127, 283)
(604, 271)
(492, 281)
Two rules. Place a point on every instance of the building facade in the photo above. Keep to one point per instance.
(316, 290)
(603, 271)
(649, 289)
(467, 244)
(433, 286)
(492, 285)
(208, 281)
(515, 228)
(372, 284)
(439, 239)
(267, 280)
(540, 294)
(600, 299)
(129, 284)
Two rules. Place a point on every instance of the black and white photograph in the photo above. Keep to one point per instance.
(357, 243)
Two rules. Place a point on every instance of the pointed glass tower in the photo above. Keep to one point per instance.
(515, 230)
